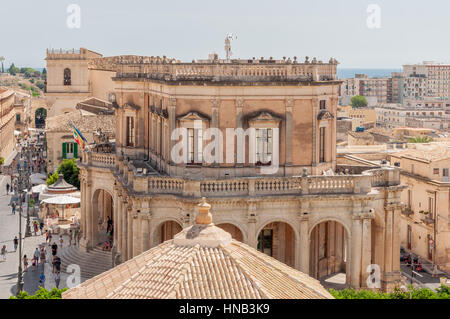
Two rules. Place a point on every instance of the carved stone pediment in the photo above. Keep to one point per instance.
(264, 117)
(324, 116)
(131, 107)
(194, 116)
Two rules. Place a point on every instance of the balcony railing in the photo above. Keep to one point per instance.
(140, 182)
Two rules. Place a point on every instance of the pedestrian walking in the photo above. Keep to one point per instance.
(36, 254)
(70, 237)
(61, 240)
(33, 263)
(16, 243)
(42, 256)
(13, 208)
(25, 263)
(49, 237)
(42, 280)
(3, 252)
(7, 188)
(41, 226)
(58, 264)
(46, 236)
(57, 279)
(54, 249)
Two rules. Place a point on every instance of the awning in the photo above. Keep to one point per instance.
(17, 133)
(62, 200)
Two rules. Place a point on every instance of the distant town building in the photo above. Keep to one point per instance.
(424, 224)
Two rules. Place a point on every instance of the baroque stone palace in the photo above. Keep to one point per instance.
(319, 224)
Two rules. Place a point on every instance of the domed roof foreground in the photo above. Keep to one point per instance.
(201, 262)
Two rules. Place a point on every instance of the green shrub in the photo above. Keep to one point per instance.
(413, 293)
(42, 293)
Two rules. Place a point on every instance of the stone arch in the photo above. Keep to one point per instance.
(330, 251)
(102, 208)
(277, 238)
(166, 230)
(40, 115)
(236, 232)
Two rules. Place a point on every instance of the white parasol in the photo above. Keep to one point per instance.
(62, 200)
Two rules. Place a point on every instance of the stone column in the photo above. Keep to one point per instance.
(356, 252)
(145, 231)
(315, 107)
(90, 223)
(129, 234)
(215, 123)
(136, 234)
(172, 123)
(252, 236)
(118, 229)
(288, 134)
(388, 242)
(366, 249)
(304, 244)
(124, 234)
(239, 124)
(115, 217)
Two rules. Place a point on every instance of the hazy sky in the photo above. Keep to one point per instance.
(411, 30)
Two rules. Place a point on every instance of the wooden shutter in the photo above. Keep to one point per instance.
(75, 150)
(64, 150)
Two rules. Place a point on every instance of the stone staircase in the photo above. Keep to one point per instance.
(93, 263)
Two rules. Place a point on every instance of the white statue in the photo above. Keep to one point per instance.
(228, 46)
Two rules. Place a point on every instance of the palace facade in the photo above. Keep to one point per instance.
(318, 223)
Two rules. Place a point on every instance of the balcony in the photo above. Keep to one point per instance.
(407, 211)
(428, 220)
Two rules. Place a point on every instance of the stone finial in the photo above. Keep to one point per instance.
(204, 217)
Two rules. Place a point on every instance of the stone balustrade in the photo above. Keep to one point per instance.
(229, 72)
(105, 160)
(248, 186)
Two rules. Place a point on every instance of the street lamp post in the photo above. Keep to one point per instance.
(20, 282)
(27, 231)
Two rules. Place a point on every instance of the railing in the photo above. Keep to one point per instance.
(248, 186)
(163, 185)
(191, 71)
(107, 160)
(332, 184)
(223, 187)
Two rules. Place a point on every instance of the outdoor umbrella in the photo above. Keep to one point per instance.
(62, 201)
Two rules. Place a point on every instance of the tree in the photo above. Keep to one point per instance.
(13, 70)
(358, 101)
(70, 171)
(52, 178)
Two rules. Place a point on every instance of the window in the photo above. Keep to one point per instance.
(409, 235)
(409, 198)
(130, 131)
(69, 150)
(322, 145)
(18, 118)
(436, 171)
(445, 172)
(265, 240)
(264, 146)
(195, 146)
(323, 104)
(67, 77)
